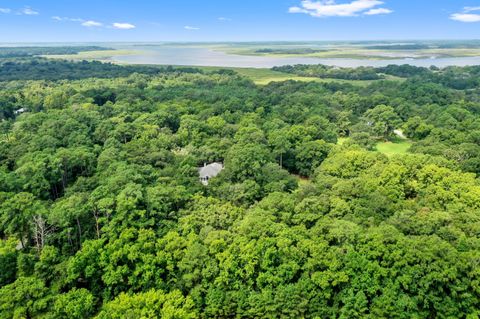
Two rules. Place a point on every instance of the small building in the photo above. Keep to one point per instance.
(20, 111)
(209, 171)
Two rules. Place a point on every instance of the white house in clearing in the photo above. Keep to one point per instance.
(209, 171)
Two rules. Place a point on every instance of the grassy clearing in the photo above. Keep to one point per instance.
(266, 76)
(397, 147)
(394, 148)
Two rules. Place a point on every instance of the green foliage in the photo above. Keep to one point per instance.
(324, 71)
(43, 69)
(416, 128)
(310, 155)
(383, 120)
(150, 304)
(77, 303)
(27, 297)
(17, 213)
(8, 261)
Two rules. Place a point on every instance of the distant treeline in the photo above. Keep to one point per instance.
(16, 52)
(452, 77)
(399, 47)
(44, 69)
(324, 71)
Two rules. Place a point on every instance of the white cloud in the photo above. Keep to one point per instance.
(376, 11)
(465, 17)
(57, 18)
(187, 27)
(29, 11)
(330, 8)
(470, 9)
(223, 19)
(123, 26)
(297, 10)
(5, 10)
(91, 23)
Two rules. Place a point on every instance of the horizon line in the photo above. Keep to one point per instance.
(243, 41)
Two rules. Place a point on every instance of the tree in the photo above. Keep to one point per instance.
(8, 261)
(383, 120)
(150, 304)
(27, 297)
(362, 139)
(344, 123)
(244, 161)
(280, 143)
(69, 213)
(416, 128)
(17, 214)
(76, 304)
(309, 155)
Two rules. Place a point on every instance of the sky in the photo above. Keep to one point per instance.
(236, 20)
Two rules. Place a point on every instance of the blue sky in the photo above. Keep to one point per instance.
(236, 20)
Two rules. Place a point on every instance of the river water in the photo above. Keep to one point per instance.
(204, 56)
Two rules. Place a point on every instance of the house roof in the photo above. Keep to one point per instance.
(210, 170)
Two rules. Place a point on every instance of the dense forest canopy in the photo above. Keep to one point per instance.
(102, 214)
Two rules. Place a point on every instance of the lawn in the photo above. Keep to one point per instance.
(394, 148)
(398, 146)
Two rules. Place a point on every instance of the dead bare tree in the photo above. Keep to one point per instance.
(41, 231)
